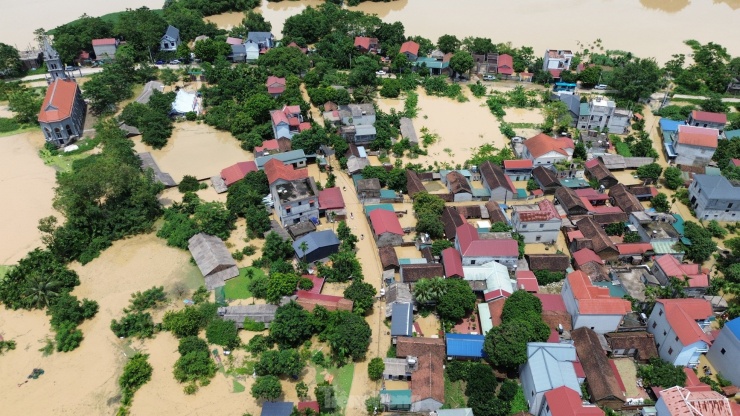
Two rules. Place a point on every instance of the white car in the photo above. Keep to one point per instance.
(489, 78)
(380, 73)
(600, 87)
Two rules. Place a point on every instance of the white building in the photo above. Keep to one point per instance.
(170, 40)
(557, 59)
(537, 223)
(694, 145)
(545, 150)
(678, 327)
(549, 366)
(294, 192)
(105, 48)
(591, 306)
(725, 351)
(603, 114)
(476, 251)
(713, 197)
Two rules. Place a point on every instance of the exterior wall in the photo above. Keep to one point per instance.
(658, 273)
(363, 139)
(509, 262)
(644, 235)
(726, 363)
(537, 232)
(59, 133)
(519, 175)
(534, 398)
(661, 408)
(463, 197)
(693, 155)
(389, 239)
(570, 301)
(669, 346)
(168, 44)
(549, 158)
(714, 209)
(282, 130)
(601, 324)
(618, 124)
(105, 51)
(410, 56)
(556, 63)
(692, 122)
(321, 253)
(300, 209)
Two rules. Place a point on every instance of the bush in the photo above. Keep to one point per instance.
(545, 277)
(222, 332)
(195, 363)
(150, 298)
(716, 230)
(250, 325)
(267, 388)
(68, 337)
(188, 184)
(631, 237)
(375, 368)
(305, 284)
(258, 344)
(660, 373)
(134, 324)
(136, 373)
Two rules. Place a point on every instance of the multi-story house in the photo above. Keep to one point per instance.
(714, 197)
(355, 122)
(724, 352)
(556, 61)
(545, 150)
(105, 48)
(707, 119)
(170, 40)
(366, 44)
(410, 49)
(496, 182)
(264, 40)
(288, 122)
(678, 327)
(563, 401)
(692, 145)
(600, 114)
(518, 170)
(667, 266)
(591, 306)
(294, 192)
(477, 251)
(537, 223)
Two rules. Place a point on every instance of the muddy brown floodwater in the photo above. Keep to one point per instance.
(27, 189)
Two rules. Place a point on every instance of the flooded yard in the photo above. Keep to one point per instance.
(196, 149)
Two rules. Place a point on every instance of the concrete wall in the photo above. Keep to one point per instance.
(601, 324)
(549, 158)
(713, 209)
(509, 262)
(105, 51)
(537, 232)
(669, 346)
(726, 363)
(693, 155)
(300, 209)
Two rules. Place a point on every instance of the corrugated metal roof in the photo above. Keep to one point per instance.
(464, 345)
(402, 320)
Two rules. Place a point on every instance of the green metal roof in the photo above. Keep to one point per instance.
(398, 397)
(485, 318)
(371, 208)
(585, 110)
(432, 63)
(664, 247)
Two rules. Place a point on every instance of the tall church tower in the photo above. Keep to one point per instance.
(54, 64)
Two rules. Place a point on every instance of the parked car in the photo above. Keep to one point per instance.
(600, 87)
(517, 139)
(489, 78)
(175, 62)
(71, 68)
(381, 72)
(160, 62)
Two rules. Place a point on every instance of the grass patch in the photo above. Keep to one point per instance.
(524, 125)
(454, 394)
(4, 270)
(342, 381)
(238, 387)
(110, 17)
(38, 71)
(22, 129)
(8, 124)
(623, 149)
(237, 288)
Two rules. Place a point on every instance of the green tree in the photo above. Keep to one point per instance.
(458, 301)
(462, 62)
(276, 248)
(210, 49)
(478, 46)
(589, 77)
(361, 294)
(391, 88)
(649, 171)
(292, 326)
(222, 332)
(68, 337)
(580, 151)
(267, 388)
(616, 228)
(284, 61)
(716, 230)
(363, 71)
(637, 79)
(25, 103)
(185, 322)
(660, 202)
(702, 246)
(281, 284)
(348, 335)
(672, 177)
(506, 344)
(188, 183)
(344, 233)
(213, 218)
(557, 117)
(168, 76)
(345, 266)
(631, 237)
(661, 373)
(520, 305)
(440, 245)
(136, 373)
(375, 368)
(714, 104)
(10, 61)
(326, 396)
(66, 308)
(448, 43)
(142, 28)
(301, 390)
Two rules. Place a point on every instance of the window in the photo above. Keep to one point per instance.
(58, 133)
(676, 337)
(722, 351)
(69, 130)
(472, 261)
(539, 237)
(524, 225)
(655, 324)
(660, 313)
(670, 351)
(665, 333)
(287, 210)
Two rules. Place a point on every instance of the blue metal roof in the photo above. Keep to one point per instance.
(734, 327)
(402, 320)
(465, 345)
(667, 125)
(397, 397)
(387, 193)
(277, 409)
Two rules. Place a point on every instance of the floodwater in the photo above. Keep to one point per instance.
(27, 186)
(196, 149)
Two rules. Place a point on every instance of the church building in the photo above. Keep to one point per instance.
(62, 115)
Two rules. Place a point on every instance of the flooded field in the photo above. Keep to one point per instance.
(196, 149)
(461, 127)
(27, 186)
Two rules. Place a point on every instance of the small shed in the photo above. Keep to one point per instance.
(465, 346)
(277, 409)
(368, 188)
(319, 245)
(258, 313)
(388, 258)
(213, 259)
(397, 293)
(402, 320)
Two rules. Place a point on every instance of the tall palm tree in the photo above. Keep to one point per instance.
(437, 288)
(423, 291)
(40, 291)
(364, 94)
(304, 248)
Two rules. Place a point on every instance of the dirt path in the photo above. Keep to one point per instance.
(362, 386)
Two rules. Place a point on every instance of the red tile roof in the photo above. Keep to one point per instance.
(682, 401)
(735, 162)
(518, 164)
(310, 300)
(547, 212)
(697, 136)
(385, 222)
(551, 303)
(525, 279)
(268, 145)
(682, 315)
(288, 115)
(496, 294)
(555, 73)
(594, 300)
(428, 380)
(410, 47)
(471, 246)
(318, 282)
(565, 402)
(586, 255)
(674, 268)
(542, 144)
(103, 42)
(364, 42)
(331, 198)
(275, 85)
(309, 405)
(572, 235)
(275, 169)
(709, 117)
(234, 41)
(591, 194)
(692, 381)
(59, 101)
(453, 262)
(627, 249)
(505, 64)
(237, 171)
(304, 126)
(496, 308)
